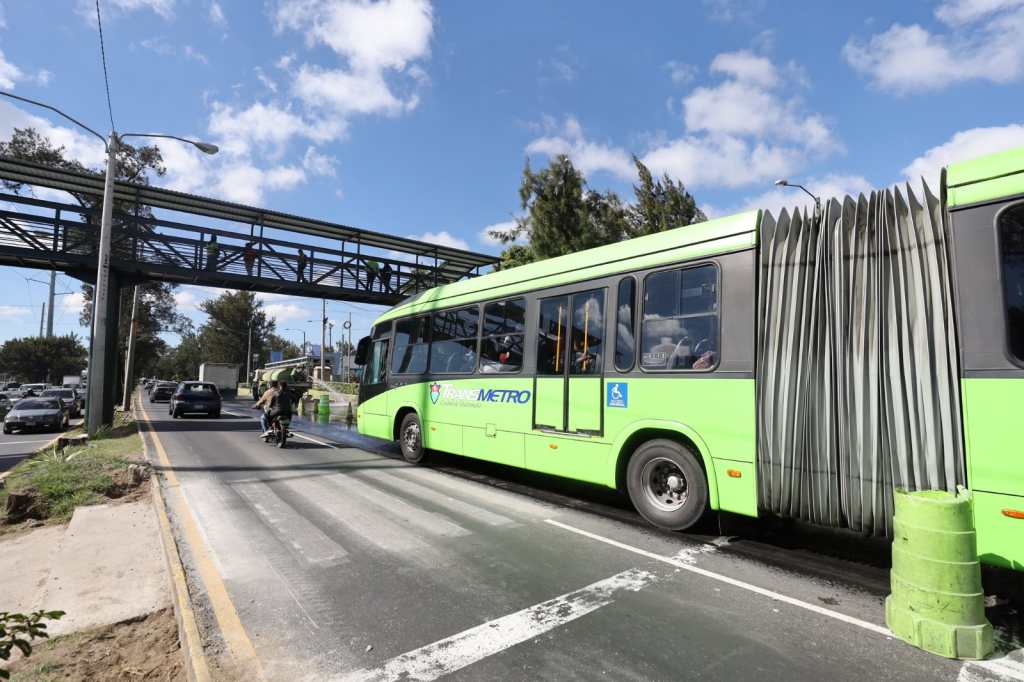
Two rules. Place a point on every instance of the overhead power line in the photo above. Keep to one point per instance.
(103, 56)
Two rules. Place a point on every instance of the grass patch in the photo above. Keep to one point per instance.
(57, 482)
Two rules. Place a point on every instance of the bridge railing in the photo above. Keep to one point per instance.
(200, 253)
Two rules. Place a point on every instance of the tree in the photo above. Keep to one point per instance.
(660, 204)
(157, 308)
(37, 359)
(564, 216)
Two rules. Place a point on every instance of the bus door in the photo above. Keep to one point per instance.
(570, 357)
(375, 383)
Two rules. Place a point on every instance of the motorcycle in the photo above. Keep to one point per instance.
(279, 433)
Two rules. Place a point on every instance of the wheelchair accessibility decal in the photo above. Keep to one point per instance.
(618, 395)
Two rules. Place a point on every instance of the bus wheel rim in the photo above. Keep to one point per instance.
(664, 483)
(411, 438)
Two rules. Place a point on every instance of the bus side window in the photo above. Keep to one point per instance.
(412, 344)
(453, 341)
(375, 372)
(504, 326)
(680, 320)
(625, 341)
(587, 333)
(551, 336)
(1011, 256)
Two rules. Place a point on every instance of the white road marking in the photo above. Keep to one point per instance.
(405, 514)
(364, 520)
(296, 532)
(314, 440)
(687, 566)
(465, 648)
(439, 498)
(22, 442)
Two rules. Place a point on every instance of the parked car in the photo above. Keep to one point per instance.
(162, 391)
(193, 397)
(45, 414)
(70, 398)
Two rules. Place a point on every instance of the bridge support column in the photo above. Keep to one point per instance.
(109, 379)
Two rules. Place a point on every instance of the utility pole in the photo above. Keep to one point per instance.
(98, 359)
(49, 314)
(348, 350)
(323, 335)
(42, 316)
(248, 355)
(129, 365)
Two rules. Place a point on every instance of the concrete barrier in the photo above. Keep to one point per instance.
(937, 603)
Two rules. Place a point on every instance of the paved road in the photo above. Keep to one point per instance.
(15, 447)
(338, 562)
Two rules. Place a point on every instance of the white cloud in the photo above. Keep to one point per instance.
(748, 128)
(8, 311)
(267, 81)
(680, 72)
(373, 41)
(983, 42)
(217, 15)
(78, 145)
(746, 67)
(284, 312)
(187, 299)
(728, 11)
(827, 187)
(266, 128)
(956, 12)
(192, 53)
(964, 145)
(318, 163)
(87, 8)
(9, 73)
(589, 157)
(72, 303)
(442, 238)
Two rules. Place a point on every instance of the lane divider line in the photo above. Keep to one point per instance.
(235, 636)
(487, 639)
(771, 594)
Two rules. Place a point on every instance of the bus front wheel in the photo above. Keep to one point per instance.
(410, 438)
(667, 484)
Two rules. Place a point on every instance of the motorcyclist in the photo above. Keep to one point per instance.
(280, 404)
(265, 402)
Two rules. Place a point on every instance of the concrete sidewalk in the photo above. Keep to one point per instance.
(104, 567)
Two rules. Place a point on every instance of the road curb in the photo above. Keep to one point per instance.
(196, 667)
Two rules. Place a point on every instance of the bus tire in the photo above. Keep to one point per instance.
(410, 438)
(666, 484)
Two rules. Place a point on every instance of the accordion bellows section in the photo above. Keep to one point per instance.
(857, 374)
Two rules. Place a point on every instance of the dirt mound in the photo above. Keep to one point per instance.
(141, 649)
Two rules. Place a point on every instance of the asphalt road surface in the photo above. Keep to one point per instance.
(326, 561)
(17, 446)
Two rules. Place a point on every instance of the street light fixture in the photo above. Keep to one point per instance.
(817, 200)
(97, 358)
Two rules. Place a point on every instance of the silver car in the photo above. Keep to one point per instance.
(44, 414)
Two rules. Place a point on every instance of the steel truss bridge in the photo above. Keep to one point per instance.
(160, 234)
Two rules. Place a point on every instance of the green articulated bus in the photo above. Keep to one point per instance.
(799, 365)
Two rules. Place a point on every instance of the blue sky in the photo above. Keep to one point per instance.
(415, 119)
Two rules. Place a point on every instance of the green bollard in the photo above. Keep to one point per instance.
(324, 409)
(937, 602)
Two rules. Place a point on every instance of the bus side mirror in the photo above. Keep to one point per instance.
(362, 349)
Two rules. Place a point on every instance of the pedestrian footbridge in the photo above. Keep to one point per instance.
(159, 234)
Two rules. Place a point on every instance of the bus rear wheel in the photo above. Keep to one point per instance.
(410, 438)
(667, 484)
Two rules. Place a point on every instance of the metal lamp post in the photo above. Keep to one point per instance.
(97, 357)
(817, 200)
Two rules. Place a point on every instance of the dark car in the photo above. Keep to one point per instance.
(162, 391)
(69, 397)
(195, 397)
(45, 414)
